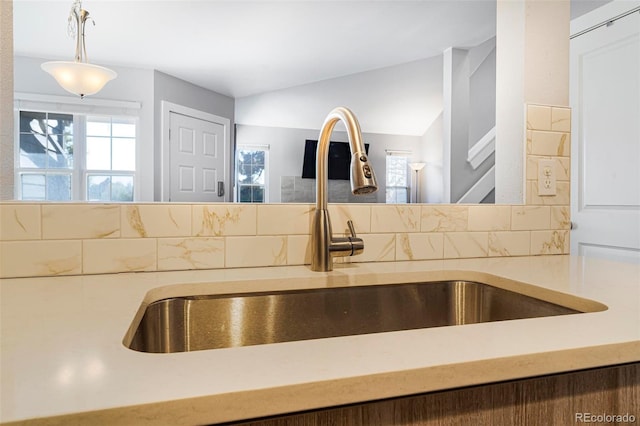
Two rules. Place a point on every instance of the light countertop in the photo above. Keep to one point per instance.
(63, 360)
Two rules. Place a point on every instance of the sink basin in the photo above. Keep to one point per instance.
(193, 323)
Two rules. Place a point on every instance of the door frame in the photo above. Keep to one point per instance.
(165, 158)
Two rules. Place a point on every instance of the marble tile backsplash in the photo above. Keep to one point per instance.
(68, 239)
(164, 237)
(548, 138)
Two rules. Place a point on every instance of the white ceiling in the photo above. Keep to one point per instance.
(239, 48)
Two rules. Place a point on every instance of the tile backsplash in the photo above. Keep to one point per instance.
(62, 239)
(51, 239)
(548, 138)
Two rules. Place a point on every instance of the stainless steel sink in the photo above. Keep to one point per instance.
(195, 323)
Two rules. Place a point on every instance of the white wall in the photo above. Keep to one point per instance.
(286, 151)
(482, 90)
(399, 100)
(431, 152)
(132, 84)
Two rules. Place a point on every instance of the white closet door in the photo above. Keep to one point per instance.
(197, 159)
(605, 149)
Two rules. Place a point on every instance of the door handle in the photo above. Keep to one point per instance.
(220, 188)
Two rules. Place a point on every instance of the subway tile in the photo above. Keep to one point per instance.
(395, 218)
(530, 217)
(284, 219)
(466, 244)
(359, 214)
(562, 197)
(255, 251)
(532, 167)
(422, 246)
(175, 254)
(549, 242)
(156, 220)
(20, 222)
(489, 218)
(514, 243)
(298, 250)
(377, 248)
(561, 119)
(40, 258)
(82, 221)
(215, 220)
(550, 143)
(444, 218)
(560, 217)
(562, 167)
(538, 117)
(121, 255)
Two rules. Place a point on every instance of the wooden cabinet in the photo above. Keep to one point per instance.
(549, 400)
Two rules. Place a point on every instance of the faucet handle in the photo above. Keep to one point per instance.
(357, 245)
(352, 229)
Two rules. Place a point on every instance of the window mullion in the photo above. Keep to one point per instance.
(80, 148)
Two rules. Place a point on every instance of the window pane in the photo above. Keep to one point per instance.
(60, 148)
(31, 121)
(59, 124)
(58, 187)
(244, 173)
(245, 194)
(257, 174)
(123, 129)
(124, 154)
(257, 157)
(98, 188)
(98, 153)
(257, 194)
(396, 195)
(397, 170)
(98, 126)
(121, 188)
(33, 150)
(33, 187)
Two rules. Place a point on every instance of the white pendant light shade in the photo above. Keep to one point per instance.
(79, 78)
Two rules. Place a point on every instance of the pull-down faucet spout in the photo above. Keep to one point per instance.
(363, 181)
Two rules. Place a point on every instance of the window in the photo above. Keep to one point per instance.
(45, 164)
(397, 177)
(111, 159)
(251, 173)
(66, 157)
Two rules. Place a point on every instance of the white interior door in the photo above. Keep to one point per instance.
(605, 149)
(198, 158)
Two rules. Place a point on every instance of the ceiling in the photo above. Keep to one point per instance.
(239, 48)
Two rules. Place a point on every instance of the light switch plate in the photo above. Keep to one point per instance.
(546, 177)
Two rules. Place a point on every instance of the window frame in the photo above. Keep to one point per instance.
(80, 110)
(19, 171)
(238, 185)
(407, 188)
(87, 172)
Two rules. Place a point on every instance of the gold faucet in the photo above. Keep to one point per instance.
(363, 181)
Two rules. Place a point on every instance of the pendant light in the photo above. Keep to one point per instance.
(79, 76)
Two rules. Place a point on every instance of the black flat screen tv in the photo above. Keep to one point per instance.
(339, 159)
